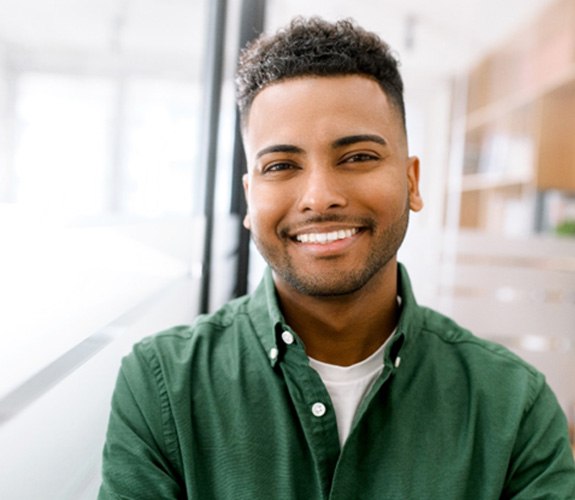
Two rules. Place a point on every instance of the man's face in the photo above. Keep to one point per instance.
(329, 183)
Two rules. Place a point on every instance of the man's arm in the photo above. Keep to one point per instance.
(136, 464)
(542, 464)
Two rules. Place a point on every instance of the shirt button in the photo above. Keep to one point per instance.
(273, 353)
(318, 409)
(287, 337)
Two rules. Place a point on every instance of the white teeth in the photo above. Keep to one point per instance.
(323, 238)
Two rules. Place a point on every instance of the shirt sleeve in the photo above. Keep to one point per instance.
(138, 459)
(542, 464)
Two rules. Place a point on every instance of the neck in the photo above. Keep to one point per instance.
(344, 330)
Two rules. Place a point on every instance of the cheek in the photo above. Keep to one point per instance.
(388, 197)
(266, 208)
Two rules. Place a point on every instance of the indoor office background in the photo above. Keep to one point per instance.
(120, 199)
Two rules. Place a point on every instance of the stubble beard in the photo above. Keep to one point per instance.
(336, 283)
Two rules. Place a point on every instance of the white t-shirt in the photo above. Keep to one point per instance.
(347, 385)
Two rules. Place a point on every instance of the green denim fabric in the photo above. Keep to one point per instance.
(222, 409)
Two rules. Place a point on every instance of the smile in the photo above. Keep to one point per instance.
(325, 238)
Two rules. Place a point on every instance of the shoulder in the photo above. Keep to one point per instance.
(485, 364)
(204, 324)
(170, 350)
(450, 336)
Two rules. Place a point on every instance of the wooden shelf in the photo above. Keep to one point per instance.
(556, 151)
(540, 56)
(499, 110)
(496, 180)
(520, 123)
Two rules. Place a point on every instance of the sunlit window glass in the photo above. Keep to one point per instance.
(62, 143)
(160, 152)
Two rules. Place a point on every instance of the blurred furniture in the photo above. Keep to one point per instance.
(519, 121)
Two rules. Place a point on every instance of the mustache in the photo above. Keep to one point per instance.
(363, 222)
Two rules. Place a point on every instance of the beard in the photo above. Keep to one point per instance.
(334, 282)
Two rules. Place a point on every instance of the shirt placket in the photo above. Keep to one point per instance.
(314, 408)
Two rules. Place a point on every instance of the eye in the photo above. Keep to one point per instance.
(360, 158)
(278, 167)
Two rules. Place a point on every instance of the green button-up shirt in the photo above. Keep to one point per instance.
(224, 409)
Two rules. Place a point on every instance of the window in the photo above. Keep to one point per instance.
(99, 175)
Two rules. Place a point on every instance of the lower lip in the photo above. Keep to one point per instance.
(331, 249)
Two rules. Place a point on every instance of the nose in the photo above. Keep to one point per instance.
(322, 190)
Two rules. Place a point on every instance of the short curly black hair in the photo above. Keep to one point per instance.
(315, 47)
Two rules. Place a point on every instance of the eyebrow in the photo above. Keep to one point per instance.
(338, 143)
(279, 148)
(353, 139)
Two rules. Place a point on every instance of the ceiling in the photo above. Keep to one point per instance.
(432, 37)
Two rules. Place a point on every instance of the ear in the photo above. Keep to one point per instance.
(246, 222)
(415, 199)
(245, 182)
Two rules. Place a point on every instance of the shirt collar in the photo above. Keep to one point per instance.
(266, 315)
(269, 323)
(410, 319)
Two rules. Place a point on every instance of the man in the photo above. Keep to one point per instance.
(329, 381)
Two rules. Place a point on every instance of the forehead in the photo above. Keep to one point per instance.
(306, 108)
